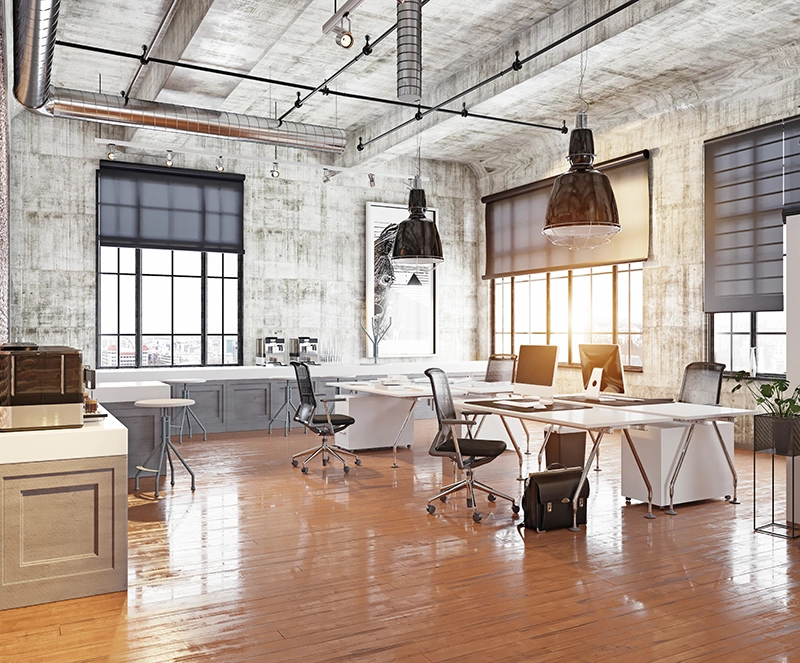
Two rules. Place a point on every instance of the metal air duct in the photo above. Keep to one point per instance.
(34, 42)
(409, 51)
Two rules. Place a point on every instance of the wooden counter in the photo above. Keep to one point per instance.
(64, 513)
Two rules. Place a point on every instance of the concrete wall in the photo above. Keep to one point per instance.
(304, 242)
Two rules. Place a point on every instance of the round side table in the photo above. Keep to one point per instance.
(188, 413)
(165, 405)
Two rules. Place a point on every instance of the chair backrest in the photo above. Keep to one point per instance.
(501, 368)
(443, 404)
(702, 383)
(308, 404)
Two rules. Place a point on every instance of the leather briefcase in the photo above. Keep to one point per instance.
(547, 500)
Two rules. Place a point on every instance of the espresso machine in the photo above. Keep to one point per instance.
(40, 387)
(274, 352)
(308, 349)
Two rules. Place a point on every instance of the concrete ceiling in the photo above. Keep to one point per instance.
(648, 59)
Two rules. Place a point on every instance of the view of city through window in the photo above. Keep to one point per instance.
(168, 308)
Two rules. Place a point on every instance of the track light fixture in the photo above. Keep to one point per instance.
(112, 152)
(344, 37)
(220, 166)
(274, 172)
(371, 179)
(326, 175)
(169, 160)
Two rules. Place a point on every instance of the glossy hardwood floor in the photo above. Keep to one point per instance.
(263, 563)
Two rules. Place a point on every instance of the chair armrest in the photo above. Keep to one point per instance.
(464, 422)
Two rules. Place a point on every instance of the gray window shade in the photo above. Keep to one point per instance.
(515, 218)
(748, 178)
(152, 207)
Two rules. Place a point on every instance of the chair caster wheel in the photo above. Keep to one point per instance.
(358, 461)
(346, 469)
(515, 508)
(728, 497)
(492, 498)
(304, 470)
(430, 508)
(477, 517)
(443, 499)
(294, 462)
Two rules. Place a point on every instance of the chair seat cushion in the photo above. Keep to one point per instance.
(470, 447)
(336, 419)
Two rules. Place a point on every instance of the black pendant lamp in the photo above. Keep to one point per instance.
(581, 212)
(417, 244)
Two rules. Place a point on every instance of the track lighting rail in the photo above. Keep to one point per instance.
(515, 66)
(145, 59)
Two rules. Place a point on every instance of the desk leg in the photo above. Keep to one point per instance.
(400, 432)
(516, 446)
(735, 476)
(547, 434)
(632, 446)
(592, 453)
(684, 448)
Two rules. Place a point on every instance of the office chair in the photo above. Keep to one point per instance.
(501, 368)
(326, 425)
(702, 383)
(467, 453)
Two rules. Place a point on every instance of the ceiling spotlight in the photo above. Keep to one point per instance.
(274, 172)
(112, 151)
(343, 36)
(371, 179)
(220, 166)
(169, 161)
(326, 175)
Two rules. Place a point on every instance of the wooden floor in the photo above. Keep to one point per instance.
(263, 563)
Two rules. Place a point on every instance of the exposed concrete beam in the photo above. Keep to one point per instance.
(515, 85)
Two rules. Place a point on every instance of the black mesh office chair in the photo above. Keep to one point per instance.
(501, 368)
(702, 382)
(467, 453)
(326, 425)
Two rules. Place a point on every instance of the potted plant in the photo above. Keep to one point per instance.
(777, 430)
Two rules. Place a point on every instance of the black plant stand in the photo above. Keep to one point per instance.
(776, 438)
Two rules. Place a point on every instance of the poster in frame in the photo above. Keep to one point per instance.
(398, 297)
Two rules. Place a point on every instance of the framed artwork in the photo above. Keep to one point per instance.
(401, 301)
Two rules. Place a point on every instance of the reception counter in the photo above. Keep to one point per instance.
(64, 513)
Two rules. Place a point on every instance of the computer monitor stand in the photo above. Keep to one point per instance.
(593, 386)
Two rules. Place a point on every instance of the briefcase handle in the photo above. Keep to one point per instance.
(556, 466)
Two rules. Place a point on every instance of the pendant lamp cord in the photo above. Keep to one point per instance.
(584, 57)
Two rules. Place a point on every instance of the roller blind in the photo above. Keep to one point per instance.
(161, 208)
(749, 177)
(515, 218)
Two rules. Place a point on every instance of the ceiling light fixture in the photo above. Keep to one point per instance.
(274, 172)
(371, 177)
(220, 165)
(581, 212)
(326, 175)
(417, 244)
(169, 161)
(344, 36)
(339, 14)
(112, 151)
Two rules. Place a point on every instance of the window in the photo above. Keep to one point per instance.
(170, 243)
(734, 334)
(161, 307)
(566, 308)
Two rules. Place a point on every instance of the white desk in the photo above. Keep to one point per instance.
(411, 394)
(595, 421)
(707, 472)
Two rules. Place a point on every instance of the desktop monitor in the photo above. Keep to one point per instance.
(536, 370)
(606, 357)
